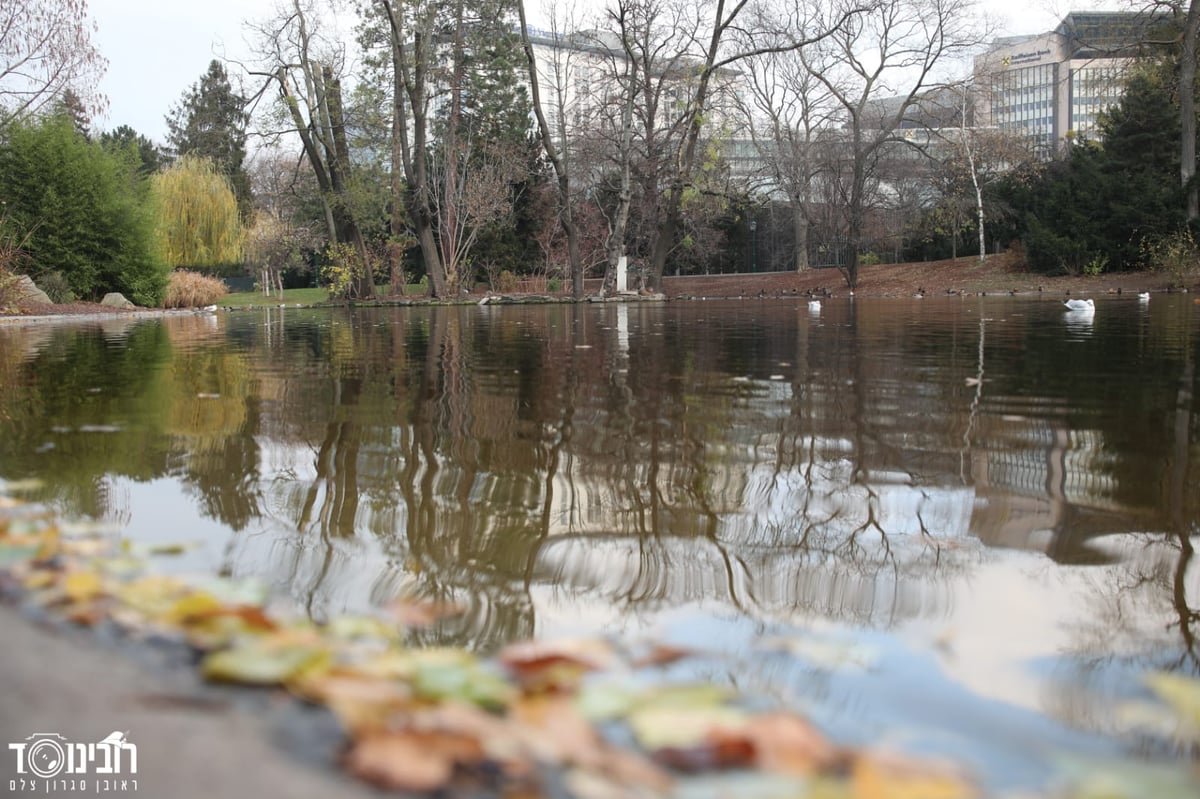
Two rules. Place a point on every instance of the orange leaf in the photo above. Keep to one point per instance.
(554, 665)
(662, 655)
(789, 744)
(409, 612)
(399, 761)
(720, 750)
(555, 731)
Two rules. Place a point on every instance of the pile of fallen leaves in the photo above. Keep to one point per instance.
(582, 718)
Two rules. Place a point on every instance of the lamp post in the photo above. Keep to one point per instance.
(753, 245)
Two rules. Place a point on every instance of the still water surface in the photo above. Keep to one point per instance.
(959, 525)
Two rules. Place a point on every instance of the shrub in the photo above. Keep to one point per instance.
(8, 289)
(342, 263)
(56, 286)
(84, 208)
(192, 290)
(506, 282)
(1176, 255)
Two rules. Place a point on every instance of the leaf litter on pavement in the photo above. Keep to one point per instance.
(541, 718)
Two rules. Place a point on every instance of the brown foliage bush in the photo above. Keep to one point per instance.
(191, 290)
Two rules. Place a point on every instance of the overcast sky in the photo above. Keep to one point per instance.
(156, 51)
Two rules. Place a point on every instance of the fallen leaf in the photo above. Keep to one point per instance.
(715, 753)
(404, 761)
(687, 695)
(152, 595)
(657, 727)
(788, 744)
(605, 701)
(1088, 778)
(591, 653)
(81, 586)
(555, 730)
(468, 681)
(879, 775)
(1182, 695)
(362, 703)
(18, 550)
(662, 655)
(412, 612)
(260, 663)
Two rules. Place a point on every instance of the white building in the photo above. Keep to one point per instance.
(581, 79)
(1052, 86)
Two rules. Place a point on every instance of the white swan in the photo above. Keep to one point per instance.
(1080, 305)
(814, 306)
(1144, 296)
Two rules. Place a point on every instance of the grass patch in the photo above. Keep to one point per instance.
(290, 297)
(303, 296)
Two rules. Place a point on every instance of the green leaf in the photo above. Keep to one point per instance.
(464, 680)
(1127, 779)
(260, 663)
(17, 553)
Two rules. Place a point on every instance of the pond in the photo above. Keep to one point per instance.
(965, 526)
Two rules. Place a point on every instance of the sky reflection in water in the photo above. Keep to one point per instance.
(979, 513)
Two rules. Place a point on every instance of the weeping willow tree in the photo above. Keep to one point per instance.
(198, 224)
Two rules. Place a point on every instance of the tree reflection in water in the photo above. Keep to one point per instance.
(610, 462)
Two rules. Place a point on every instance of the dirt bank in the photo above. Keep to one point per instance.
(998, 274)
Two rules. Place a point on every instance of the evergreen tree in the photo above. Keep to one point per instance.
(495, 101)
(86, 211)
(150, 157)
(210, 121)
(1093, 210)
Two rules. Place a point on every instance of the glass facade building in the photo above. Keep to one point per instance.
(1052, 87)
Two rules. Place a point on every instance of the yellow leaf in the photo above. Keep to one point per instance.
(887, 776)
(682, 727)
(1182, 694)
(190, 606)
(81, 586)
(257, 663)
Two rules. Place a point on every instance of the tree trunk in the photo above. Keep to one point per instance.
(450, 191)
(671, 219)
(414, 154)
(566, 207)
(363, 285)
(1187, 110)
(800, 230)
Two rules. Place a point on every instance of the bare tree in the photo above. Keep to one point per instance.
(871, 51)
(46, 50)
(787, 110)
(558, 157)
(722, 34)
(474, 193)
(306, 69)
(973, 157)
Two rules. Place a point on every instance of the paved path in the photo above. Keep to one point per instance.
(193, 741)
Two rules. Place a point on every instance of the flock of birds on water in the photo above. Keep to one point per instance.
(1073, 305)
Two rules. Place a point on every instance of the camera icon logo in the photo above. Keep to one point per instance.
(45, 754)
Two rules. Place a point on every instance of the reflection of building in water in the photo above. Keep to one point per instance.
(1043, 487)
